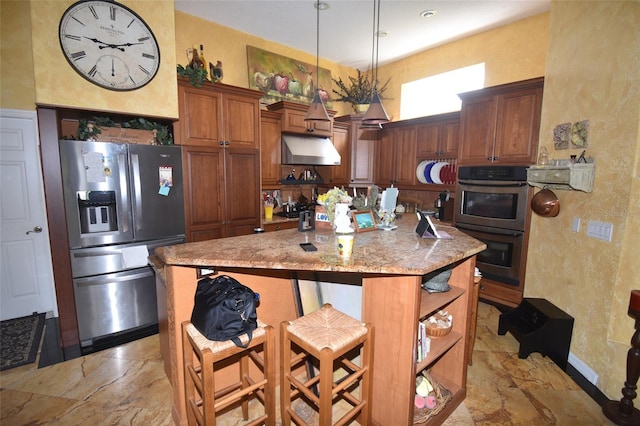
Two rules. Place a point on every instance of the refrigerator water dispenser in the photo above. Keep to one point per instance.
(97, 211)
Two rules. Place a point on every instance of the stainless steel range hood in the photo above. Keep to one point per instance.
(309, 150)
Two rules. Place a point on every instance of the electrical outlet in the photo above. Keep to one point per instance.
(575, 225)
(600, 230)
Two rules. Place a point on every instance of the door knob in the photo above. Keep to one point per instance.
(36, 229)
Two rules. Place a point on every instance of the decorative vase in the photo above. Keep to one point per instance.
(342, 222)
(360, 108)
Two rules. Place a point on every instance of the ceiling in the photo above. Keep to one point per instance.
(346, 27)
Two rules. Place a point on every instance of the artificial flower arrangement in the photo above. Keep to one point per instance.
(386, 217)
(331, 198)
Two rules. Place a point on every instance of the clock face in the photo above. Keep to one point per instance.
(109, 44)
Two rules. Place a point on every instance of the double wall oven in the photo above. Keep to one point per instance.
(492, 205)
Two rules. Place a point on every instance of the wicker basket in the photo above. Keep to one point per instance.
(436, 330)
(433, 331)
(442, 394)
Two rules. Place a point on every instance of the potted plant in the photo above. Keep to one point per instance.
(357, 91)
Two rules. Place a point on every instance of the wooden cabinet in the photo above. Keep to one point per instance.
(339, 175)
(270, 148)
(219, 129)
(396, 159)
(439, 136)
(361, 152)
(501, 124)
(279, 226)
(403, 144)
(293, 119)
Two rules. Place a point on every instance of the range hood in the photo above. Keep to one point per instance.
(308, 150)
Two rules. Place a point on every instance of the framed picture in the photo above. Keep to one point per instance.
(363, 220)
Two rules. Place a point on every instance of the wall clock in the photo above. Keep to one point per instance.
(109, 44)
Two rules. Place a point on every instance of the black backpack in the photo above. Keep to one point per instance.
(224, 309)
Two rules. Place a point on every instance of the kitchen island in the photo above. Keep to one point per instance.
(389, 265)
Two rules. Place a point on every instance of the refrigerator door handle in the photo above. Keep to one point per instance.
(137, 192)
(124, 193)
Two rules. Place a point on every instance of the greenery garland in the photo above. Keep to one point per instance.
(90, 129)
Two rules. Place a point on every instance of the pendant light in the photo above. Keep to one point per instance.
(376, 114)
(317, 111)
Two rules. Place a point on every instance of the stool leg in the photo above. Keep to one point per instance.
(285, 370)
(189, 388)
(326, 386)
(270, 376)
(365, 385)
(244, 372)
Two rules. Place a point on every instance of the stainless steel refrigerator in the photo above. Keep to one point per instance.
(122, 201)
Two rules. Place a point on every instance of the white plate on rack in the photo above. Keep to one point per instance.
(435, 172)
(420, 171)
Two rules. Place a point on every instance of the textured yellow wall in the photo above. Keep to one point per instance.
(513, 52)
(58, 84)
(593, 73)
(17, 82)
(230, 46)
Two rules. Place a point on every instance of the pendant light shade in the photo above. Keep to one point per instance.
(376, 114)
(317, 111)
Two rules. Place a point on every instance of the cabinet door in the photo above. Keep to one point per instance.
(428, 145)
(270, 149)
(340, 174)
(405, 161)
(518, 127)
(450, 139)
(478, 121)
(200, 116)
(204, 192)
(242, 121)
(385, 159)
(242, 191)
(362, 154)
(294, 122)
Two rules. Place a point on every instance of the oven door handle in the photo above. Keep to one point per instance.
(493, 183)
(495, 231)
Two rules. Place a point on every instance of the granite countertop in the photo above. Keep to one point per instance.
(399, 251)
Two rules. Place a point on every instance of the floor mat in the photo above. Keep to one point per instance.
(19, 340)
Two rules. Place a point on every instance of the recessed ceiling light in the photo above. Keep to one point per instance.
(382, 33)
(428, 13)
(321, 5)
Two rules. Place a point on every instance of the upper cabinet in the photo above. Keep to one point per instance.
(219, 129)
(218, 114)
(358, 154)
(271, 148)
(501, 124)
(439, 136)
(404, 144)
(293, 119)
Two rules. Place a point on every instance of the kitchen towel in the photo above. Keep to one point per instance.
(135, 257)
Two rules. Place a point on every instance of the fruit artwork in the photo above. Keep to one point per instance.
(281, 83)
(283, 78)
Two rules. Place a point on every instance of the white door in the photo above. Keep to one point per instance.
(26, 273)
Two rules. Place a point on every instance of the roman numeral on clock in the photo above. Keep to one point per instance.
(112, 13)
(73, 37)
(78, 55)
(93, 12)
(92, 71)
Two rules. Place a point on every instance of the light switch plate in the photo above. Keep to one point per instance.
(600, 230)
(575, 225)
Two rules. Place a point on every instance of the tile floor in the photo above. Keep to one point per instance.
(127, 385)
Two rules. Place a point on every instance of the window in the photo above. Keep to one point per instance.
(439, 93)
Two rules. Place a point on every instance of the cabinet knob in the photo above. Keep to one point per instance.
(221, 143)
(226, 143)
(482, 287)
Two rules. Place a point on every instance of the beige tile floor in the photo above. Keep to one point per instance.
(126, 385)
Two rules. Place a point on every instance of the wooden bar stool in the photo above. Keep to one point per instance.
(203, 400)
(328, 337)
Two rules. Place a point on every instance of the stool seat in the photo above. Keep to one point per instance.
(327, 328)
(221, 346)
(329, 341)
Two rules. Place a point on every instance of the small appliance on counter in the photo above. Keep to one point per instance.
(444, 206)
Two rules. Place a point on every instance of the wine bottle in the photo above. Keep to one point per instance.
(204, 62)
